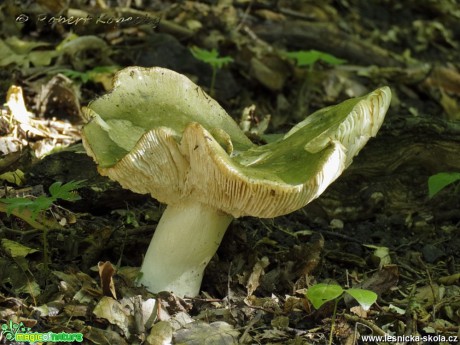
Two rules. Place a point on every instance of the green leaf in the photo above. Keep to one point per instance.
(310, 57)
(15, 249)
(35, 206)
(43, 202)
(364, 297)
(211, 57)
(16, 177)
(30, 287)
(65, 191)
(21, 53)
(17, 204)
(69, 38)
(83, 76)
(89, 75)
(40, 204)
(322, 293)
(439, 181)
(104, 69)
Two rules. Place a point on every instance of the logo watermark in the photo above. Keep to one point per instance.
(99, 20)
(18, 332)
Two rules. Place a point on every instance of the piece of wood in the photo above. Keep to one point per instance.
(327, 37)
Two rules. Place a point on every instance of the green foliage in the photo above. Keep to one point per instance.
(90, 75)
(310, 57)
(34, 205)
(42, 203)
(323, 293)
(65, 191)
(15, 177)
(69, 38)
(212, 58)
(365, 298)
(24, 53)
(439, 181)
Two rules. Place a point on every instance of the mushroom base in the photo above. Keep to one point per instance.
(185, 240)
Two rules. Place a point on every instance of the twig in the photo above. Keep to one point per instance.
(376, 329)
(250, 325)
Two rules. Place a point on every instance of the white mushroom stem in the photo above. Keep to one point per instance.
(185, 240)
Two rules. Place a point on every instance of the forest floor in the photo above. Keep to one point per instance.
(68, 262)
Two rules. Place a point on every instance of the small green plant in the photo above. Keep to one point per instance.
(40, 204)
(91, 75)
(212, 58)
(440, 181)
(308, 58)
(322, 293)
(30, 209)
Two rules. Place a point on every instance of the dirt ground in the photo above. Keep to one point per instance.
(69, 263)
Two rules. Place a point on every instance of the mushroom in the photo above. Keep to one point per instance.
(157, 132)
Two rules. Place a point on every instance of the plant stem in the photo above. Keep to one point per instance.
(213, 80)
(185, 240)
(38, 222)
(304, 94)
(333, 320)
(46, 257)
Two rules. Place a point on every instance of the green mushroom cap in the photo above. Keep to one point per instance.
(159, 133)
